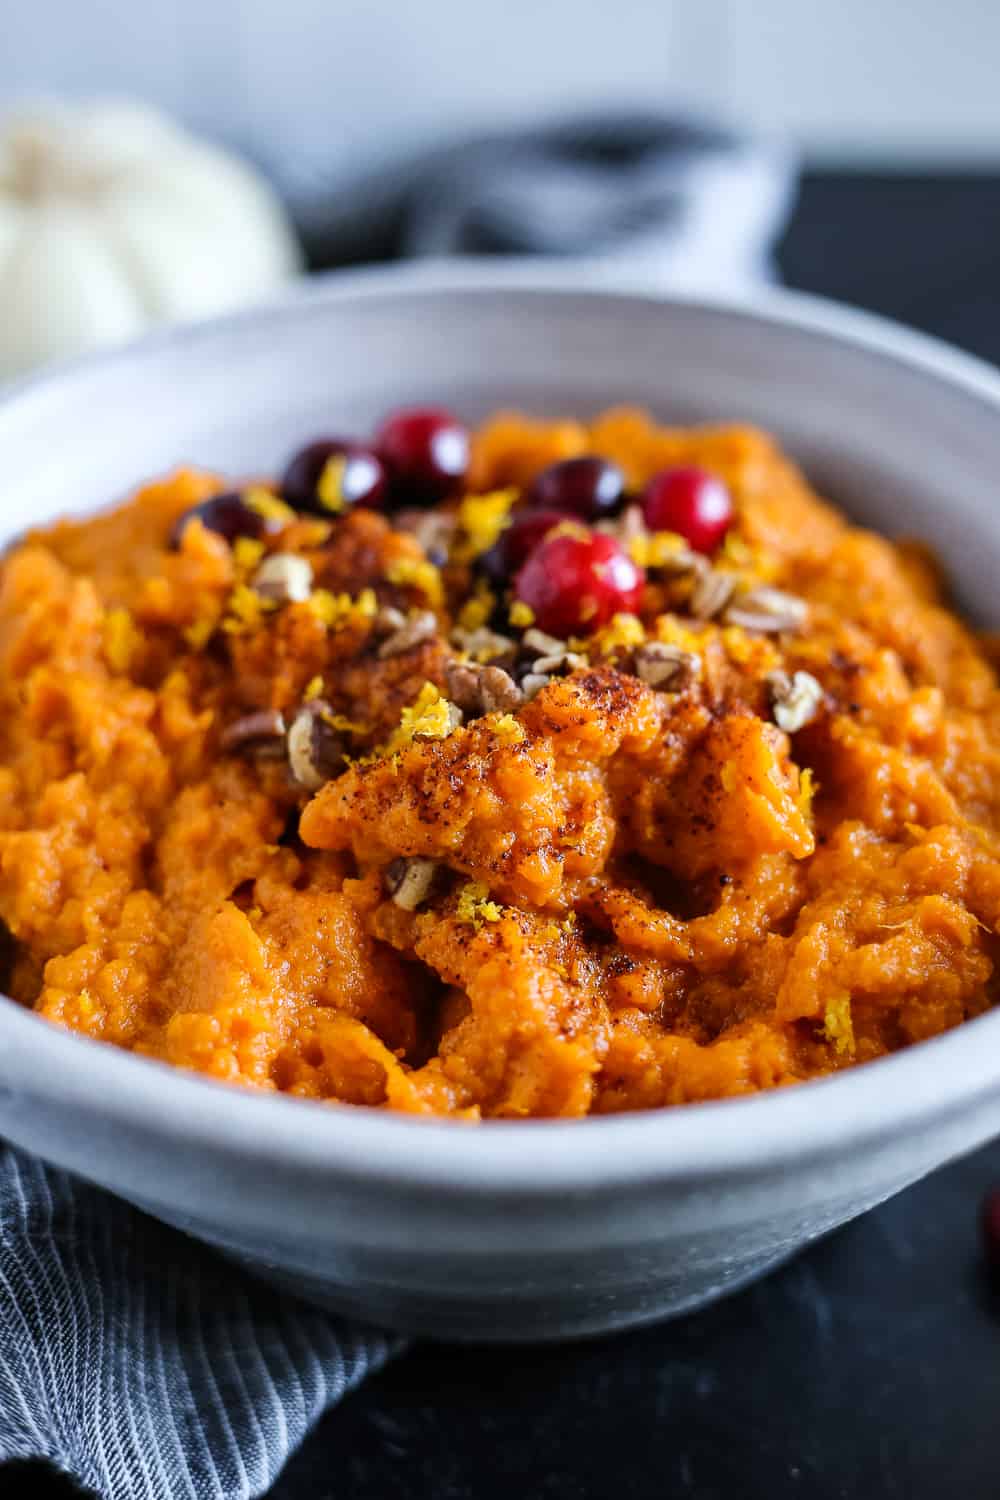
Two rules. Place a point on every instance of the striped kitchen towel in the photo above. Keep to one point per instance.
(144, 1365)
(689, 205)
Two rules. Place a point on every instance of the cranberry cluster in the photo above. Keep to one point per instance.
(573, 578)
(420, 455)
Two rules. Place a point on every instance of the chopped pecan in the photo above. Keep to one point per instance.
(546, 656)
(481, 689)
(666, 667)
(767, 610)
(387, 620)
(284, 577)
(315, 748)
(532, 683)
(712, 594)
(253, 730)
(795, 700)
(680, 561)
(420, 627)
(631, 524)
(560, 663)
(434, 531)
(541, 644)
(485, 644)
(500, 693)
(409, 881)
(462, 679)
(627, 527)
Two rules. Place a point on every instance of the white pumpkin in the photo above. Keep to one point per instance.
(113, 220)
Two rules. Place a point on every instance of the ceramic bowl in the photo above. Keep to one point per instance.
(514, 1230)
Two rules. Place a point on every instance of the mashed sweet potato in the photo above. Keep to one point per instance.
(261, 826)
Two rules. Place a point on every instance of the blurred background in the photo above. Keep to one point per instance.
(696, 138)
(319, 90)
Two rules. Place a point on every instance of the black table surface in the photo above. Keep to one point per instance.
(869, 1368)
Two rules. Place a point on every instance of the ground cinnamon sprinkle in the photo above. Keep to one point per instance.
(356, 804)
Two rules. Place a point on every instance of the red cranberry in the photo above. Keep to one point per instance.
(990, 1226)
(360, 480)
(575, 584)
(691, 502)
(426, 451)
(229, 515)
(523, 534)
(584, 487)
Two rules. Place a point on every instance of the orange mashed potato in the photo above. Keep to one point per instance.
(628, 889)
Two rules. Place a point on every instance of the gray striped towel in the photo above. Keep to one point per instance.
(141, 1363)
(684, 203)
(132, 1358)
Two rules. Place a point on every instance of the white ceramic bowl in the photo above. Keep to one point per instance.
(512, 1230)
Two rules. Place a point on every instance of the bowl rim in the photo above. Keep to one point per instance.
(930, 1082)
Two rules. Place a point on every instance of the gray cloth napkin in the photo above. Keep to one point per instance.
(144, 1365)
(696, 206)
(133, 1358)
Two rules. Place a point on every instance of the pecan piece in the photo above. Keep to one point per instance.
(419, 628)
(712, 594)
(560, 663)
(549, 657)
(482, 689)
(253, 730)
(795, 700)
(768, 611)
(541, 644)
(462, 680)
(666, 667)
(284, 577)
(409, 881)
(387, 620)
(532, 684)
(485, 644)
(315, 748)
(499, 692)
(434, 531)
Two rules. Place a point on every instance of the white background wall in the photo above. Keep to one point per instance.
(322, 85)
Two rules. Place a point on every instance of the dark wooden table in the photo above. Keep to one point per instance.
(867, 1369)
